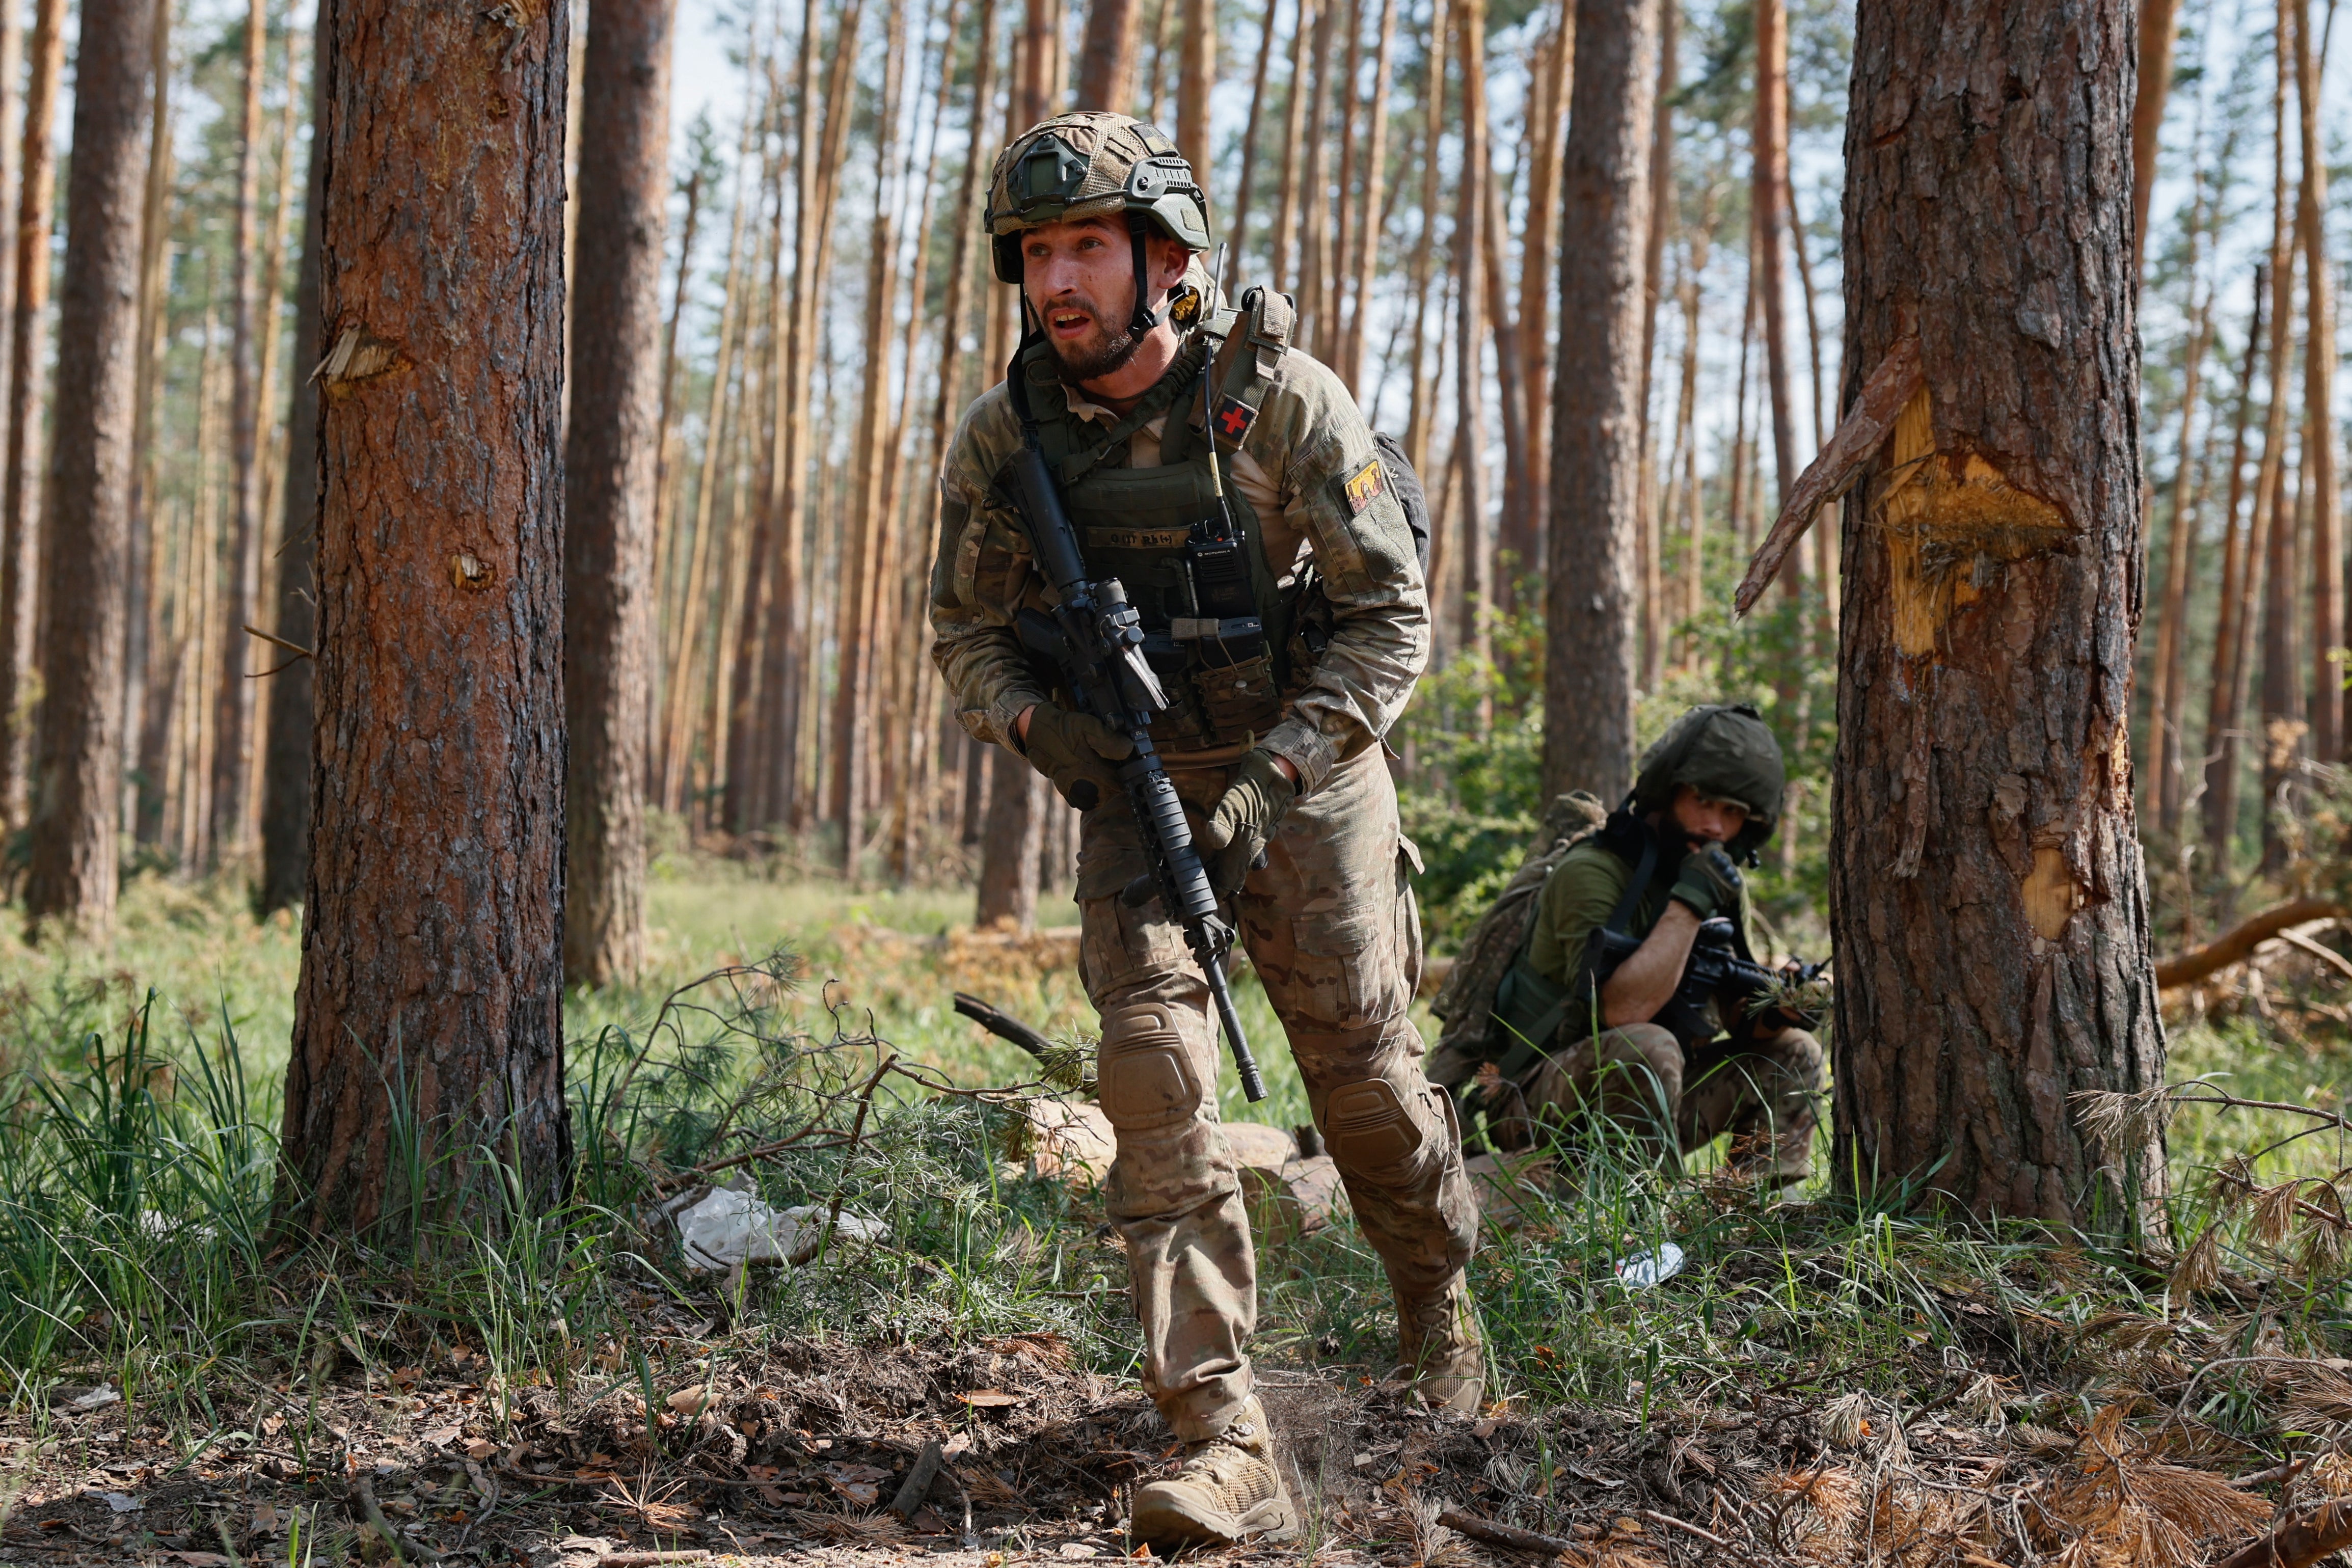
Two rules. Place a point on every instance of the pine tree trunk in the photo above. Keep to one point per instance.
(1662, 214)
(2274, 528)
(2327, 673)
(857, 648)
(1769, 204)
(610, 455)
(1469, 367)
(432, 985)
(1315, 193)
(1596, 462)
(146, 710)
(1371, 214)
(1248, 187)
(1011, 844)
(21, 497)
(78, 796)
(1986, 892)
(233, 693)
(1287, 197)
(2159, 28)
(1422, 421)
(2168, 703)
(1539, 244)
(2226, 697)
(286, 760)
(1107, 56)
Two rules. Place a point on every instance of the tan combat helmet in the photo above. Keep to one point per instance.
(1095, 163)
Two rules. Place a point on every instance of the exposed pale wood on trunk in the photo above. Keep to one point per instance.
(21, 495)
(1596, 463)
(1986, 880)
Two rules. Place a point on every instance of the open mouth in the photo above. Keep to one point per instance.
(1068, 323)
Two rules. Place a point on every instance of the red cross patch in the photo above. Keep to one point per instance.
(1233, 419)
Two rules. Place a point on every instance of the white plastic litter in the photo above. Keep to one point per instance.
(725, 1227)
(1644, 1269)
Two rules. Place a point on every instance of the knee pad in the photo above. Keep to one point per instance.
(1145, 1078)
(1368, 1126)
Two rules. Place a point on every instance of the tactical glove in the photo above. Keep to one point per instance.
(1244, 820)
(1076, 751)
(1709, 883)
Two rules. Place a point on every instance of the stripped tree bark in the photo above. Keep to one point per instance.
(1986, 865)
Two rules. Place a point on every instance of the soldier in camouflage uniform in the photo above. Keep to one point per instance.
(1707, 794)
(1230, 482)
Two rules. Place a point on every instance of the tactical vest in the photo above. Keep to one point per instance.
(1230, 642)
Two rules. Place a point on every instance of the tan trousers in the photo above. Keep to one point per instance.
(1765, 1092)
(1331, 928)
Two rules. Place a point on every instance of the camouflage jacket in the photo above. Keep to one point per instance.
(1307, 439)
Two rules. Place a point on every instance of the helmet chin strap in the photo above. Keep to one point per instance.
(1145, 317)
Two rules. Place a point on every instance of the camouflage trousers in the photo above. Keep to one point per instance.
(1331, 928)
(1765, 1092)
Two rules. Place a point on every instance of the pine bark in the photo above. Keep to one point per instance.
(1470, 240)
(432, 985)
(611, 454)
(146, 708)
(2327, 672)
(21, 494)
(1196, 79)
(1539, 245)
(286, 752)
(1247, 188)
(86, 555)
(2168, 705)
(2160, 29)
(1422, 417)
(1371, 218)
(1769, 204)
(1107, 56)
(2226, 696)
(1988, 900)
(232, 693)
(2275, 526)
(1596, 445)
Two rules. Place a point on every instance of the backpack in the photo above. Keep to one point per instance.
(1466, 1002)
(1405, 485)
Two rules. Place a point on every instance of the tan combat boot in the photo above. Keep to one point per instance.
(1439, 1350)
(1228, 1492)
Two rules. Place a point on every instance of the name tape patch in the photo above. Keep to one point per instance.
(1365, 486)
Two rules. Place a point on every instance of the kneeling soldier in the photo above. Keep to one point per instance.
(1600, 1011)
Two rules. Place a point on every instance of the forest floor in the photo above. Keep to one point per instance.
(1824, 1381)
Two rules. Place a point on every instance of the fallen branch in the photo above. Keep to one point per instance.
(1856, 439)
(2299, 1542)
(919, 1477)
(1494, 1534)
(2232, 945)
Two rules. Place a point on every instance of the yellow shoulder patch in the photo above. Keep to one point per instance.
(1365, 486)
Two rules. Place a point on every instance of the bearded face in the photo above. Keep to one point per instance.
(1080, 278)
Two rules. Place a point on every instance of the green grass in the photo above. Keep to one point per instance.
(137, 1164)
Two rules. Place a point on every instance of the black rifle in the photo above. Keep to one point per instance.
(1715, 971)
(1096, 639)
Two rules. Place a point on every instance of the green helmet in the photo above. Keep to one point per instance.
(1725, 751)
(1094, 163)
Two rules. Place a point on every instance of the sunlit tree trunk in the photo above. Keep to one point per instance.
(1371, 214)
(1662, 214)
(2274, 529)
(2226, 695)
(1287, 197)
(1248, 187)
(1196, 79)
(1539, 250)
(611, 451)
(429, 1019)
(2320, 435)
(1107, 56)
(2166, 704)
(20, 522)
(1988, 900)
(77, 790)
(147, 708)
(1423, 419)
(2159, 28)
(1769, 203)
(1596, 464)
